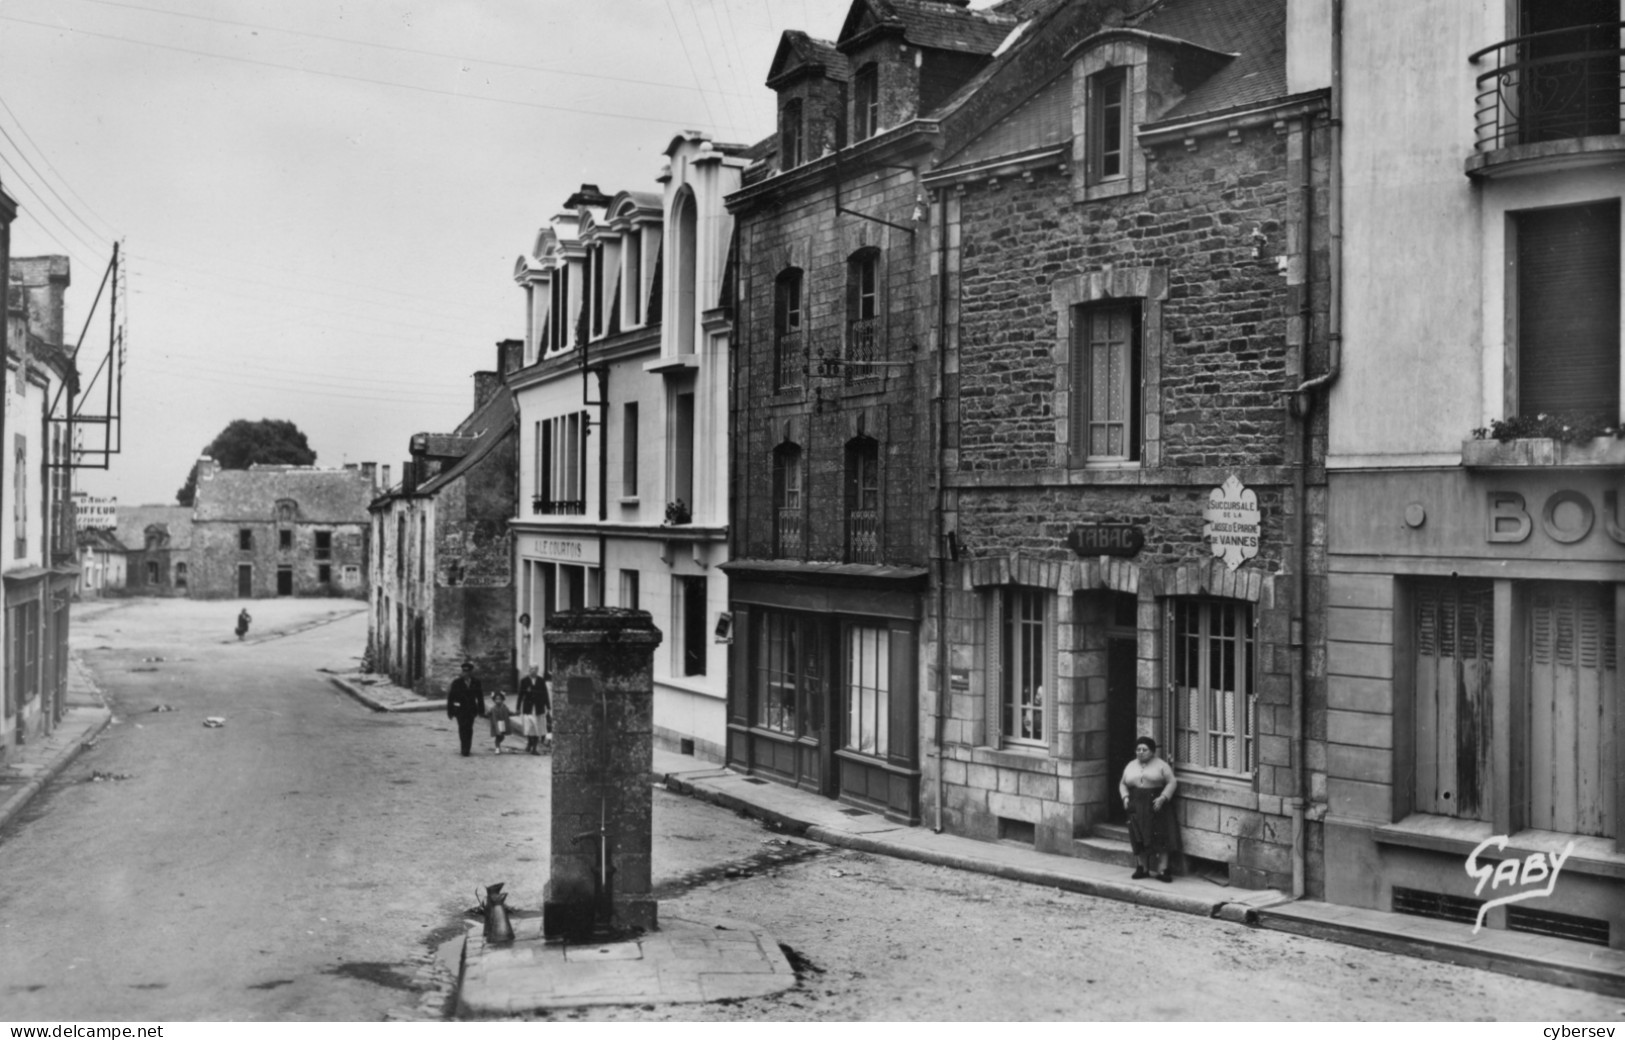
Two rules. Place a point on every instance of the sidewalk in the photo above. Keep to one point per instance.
(29, 767)
(379, 694)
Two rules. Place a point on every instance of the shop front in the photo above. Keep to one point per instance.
(823, 687)
(1475, 720)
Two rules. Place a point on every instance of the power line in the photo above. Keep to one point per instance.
(317, 390)
(678, 28)
(43, 180)
(460, 95)
(392, 47)
(113, 232)
(18, 178)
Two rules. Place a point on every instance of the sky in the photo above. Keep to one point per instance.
(319, 203)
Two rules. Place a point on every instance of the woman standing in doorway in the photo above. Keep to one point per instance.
(1147, 787)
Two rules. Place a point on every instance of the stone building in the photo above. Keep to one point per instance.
(37, 542)
(623, 410)
(442, 557)
(277, 530)
(832, 432)
(1476, 545)
(157, 543)
(101, 564)
(1130, 217)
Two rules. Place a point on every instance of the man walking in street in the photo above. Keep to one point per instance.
(465, 702)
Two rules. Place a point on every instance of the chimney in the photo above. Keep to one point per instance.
(409, 477)
(370, 471)
(207, 468)
(486, 386)
(383, 478)
(510, 356)
(45, 280)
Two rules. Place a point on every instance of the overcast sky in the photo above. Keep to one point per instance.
(321, 202)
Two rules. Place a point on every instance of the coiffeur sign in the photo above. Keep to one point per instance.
(1234, 523)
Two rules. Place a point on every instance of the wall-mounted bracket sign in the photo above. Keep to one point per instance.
(1106, 540)
(1234, 524)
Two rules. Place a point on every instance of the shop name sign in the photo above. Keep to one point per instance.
(1233, 523)
(1521, 878)
(1566, 516)
(570, 549)
(1106, 540)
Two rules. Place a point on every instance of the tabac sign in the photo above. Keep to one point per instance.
(1106, 540)
(1233, 523)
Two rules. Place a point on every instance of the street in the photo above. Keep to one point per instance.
(302, 861)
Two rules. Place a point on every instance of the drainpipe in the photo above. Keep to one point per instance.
(940, 708)
(1301, 407)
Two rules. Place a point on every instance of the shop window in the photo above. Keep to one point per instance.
(864, 326)
(1212, 669)
(788, 361)
(1020, 649)
(1108, 125)
(1568, 310)
(787, 512)
(688, 617)
(792, 135)
(863, 501)
(1106, 410)
(868, 690)
(865, 103)
(789, 662)
(1453, 627)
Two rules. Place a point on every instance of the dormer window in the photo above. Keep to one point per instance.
(866, 103)
(1108, 122)
(595, 277)
(632, 279)
(792, 135)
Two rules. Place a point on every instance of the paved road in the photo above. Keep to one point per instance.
(299, 862)
(293, 864)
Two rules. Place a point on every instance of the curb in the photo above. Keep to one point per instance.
(377, 705)
(17, 802)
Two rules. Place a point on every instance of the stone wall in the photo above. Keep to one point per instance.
(215, 556)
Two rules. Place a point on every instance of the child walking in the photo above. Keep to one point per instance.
(500, 714)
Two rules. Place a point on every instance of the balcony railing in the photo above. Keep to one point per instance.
(559, 506)
(863, 341)
(1549, 86)
(789, 531)
(863, 535)
(790, 360)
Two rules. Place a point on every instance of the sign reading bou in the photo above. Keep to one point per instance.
(1233, 524)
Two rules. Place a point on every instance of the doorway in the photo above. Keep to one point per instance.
(284, 581)
(245, 580)
(1122, 696)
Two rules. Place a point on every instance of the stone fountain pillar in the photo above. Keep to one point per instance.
(602, 663)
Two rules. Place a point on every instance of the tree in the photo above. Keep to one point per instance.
(243, 443)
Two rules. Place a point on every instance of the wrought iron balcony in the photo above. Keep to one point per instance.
(790, 360)
(789, 531)
(864, 338)
(863, 536)
(1555, 86)
(559, 506)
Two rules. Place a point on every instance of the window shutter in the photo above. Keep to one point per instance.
(1568, 310)
(1078, 407)
(993, 706)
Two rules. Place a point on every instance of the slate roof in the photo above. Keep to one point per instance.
(133, 522)
(103, 539)
(1254, 30)
(936, 24)
(488, 423)
(328, 496)
(797, 50)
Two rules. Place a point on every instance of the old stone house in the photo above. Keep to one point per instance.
(157, 543)
(278, 530)
(442, 558)
(1131, 218)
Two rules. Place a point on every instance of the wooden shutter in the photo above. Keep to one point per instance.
(1455, 632)
(1573, 702)
(1568, 310)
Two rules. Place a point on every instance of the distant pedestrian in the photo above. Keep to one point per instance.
(242, 623)
(535, 709)
(465, 701)
(1147, 787)
(500, 714)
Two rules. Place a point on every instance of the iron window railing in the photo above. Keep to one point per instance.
(1549, 86)
(863, 339)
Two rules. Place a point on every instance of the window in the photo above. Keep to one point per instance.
(682, 450)
(1019, 665)
(1212, 671)
(562, 485)
(688, 615)
(1568, 310)
(792, 144)
(324, 573)
(1568, 74)
(400, 548)
(787, 339)
(863, 322)
(868, 686)
(1453, 629)
(245, 538)
(629, 590)
(595, 290)
(284, 539)
(19, 488)
(324, 545)
(865, 103)
(1573, 701)
(632, 278)
(790, 655)
(1108, 124)
(22, 658)
(629, 449)
(180, 575)
(787, 501)
(686, 269)
(152, 572)
(1105, 411)
(423, 545)
(863, 501)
